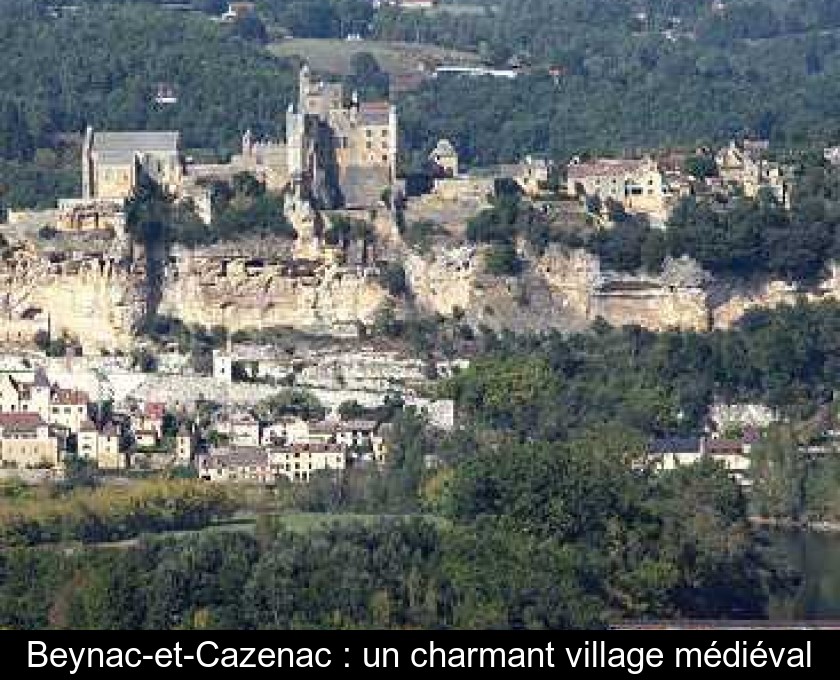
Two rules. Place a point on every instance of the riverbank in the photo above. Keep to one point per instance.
(805, 525)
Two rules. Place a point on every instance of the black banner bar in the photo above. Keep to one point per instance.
(619, 653)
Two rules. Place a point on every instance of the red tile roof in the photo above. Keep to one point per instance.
(21, 420)
(154, 410)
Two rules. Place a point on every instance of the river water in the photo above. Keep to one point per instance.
(816, 555)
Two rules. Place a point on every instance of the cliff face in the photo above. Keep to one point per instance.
(559, 289)
(102, 298)
(99, 298)
(242, 293)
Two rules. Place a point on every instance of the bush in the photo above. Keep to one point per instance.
(502, 260)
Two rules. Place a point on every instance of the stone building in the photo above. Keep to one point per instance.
(637, 185)
(744, 165)
(114, 162)
(237, 464)
(101, 446)
(445, 157)
(345, 153)
(26, 441)
(297, 463)
(54, 405)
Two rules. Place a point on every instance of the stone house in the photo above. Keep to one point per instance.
(101, 446)
(26, 441)
(445, 157)
(67, 408)
(743, 165)
(146, 439)
(355, 434)
(113, 162)
(297, 463)
(244, 430)
(286, 431)
(184, 445)
(638, 186)
(533, 175)
(236, 464)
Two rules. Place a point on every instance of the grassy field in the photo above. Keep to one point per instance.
(462, 9)
(336, 56)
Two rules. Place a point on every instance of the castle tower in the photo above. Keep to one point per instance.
(295, 141)
(304, 88)
(247, 143)
(393, 141)
(88, 188)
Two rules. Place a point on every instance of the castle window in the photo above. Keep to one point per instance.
(384, 159)
(370, 145)
(369, 133)
(384, 133)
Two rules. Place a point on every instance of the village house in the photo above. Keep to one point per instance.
(533, 176)
(146, 439)
(671, 452)
(637, 186)
(285, 431)
(26, 441)
(101, 446)
(236, 464)
(67, 408)
(355, 434)
(743, 165)
(238, 10)
(297, 463)
(379, 443)
(150, 419)
(244, 430)
(184, 445)
(724, 418)
(323, 432)
(445, 158)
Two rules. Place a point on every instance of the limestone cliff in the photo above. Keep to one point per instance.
(102, 295)
(250, 292)
(97, 297)
(560, 289)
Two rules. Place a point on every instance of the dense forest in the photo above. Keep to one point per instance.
(101, 65)
(683, 74)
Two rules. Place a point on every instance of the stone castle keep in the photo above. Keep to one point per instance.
(338, 153)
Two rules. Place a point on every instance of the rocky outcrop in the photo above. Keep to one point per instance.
(562, 289)
(241, 291)
(102, 296)
(98, 298)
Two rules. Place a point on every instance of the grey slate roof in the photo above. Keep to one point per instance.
(120, 147)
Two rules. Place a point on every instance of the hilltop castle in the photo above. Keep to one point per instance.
(341, 153)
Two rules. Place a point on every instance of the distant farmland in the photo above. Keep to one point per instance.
(336, 56)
